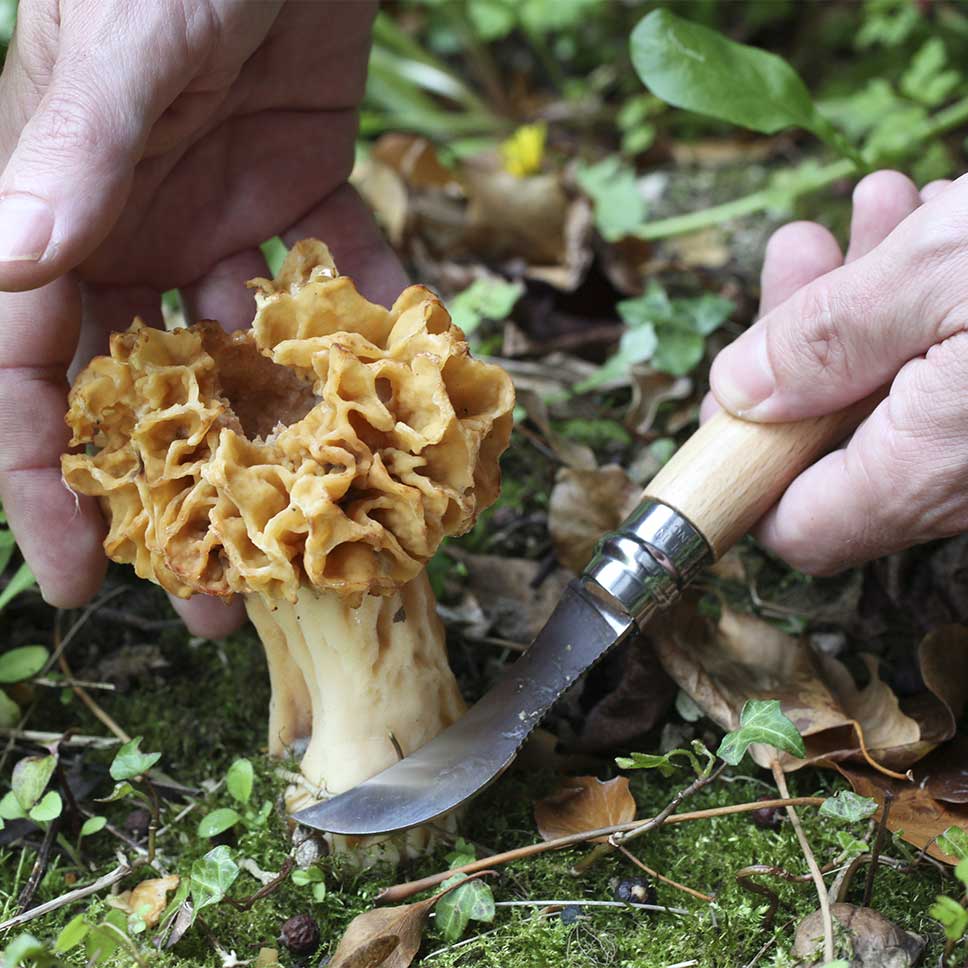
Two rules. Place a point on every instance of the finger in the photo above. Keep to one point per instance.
(846, 334)
(796, 254)
(898, 482)
(881, 202)
(934, 189)
(111, 309)
(346, 225)
(221, 295)
(59, 533)
(210, 617)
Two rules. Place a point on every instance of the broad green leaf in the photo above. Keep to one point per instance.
(238, 780)
(19, 664)
(23, 578)
(217, 821)
(48, 809)
(22, 947)
(613, 188)
(761, 721)
(954, 841)
(678, 350)
(698, 69)
(961, 871)
(212, 875)
(926, 79)
(706, 313)
(30, 778)
(72, 934)
(120, 791)
(492, 19)
(648, 761)
(93, 825)
(463, 853)
(309, 875)
(319, 892)
(654, 304)
(848, 806)
(274, 251)
(850, 844)
(9, 711)
(472, 902)
(951, 915)
(9, 808)
(488, 297)
(131, 762)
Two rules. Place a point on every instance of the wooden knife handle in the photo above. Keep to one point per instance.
(731, 471)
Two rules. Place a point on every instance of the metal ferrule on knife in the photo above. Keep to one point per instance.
(649, 560)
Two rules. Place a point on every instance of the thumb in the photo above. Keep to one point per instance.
(840, 338)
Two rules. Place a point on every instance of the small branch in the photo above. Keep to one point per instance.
(878, 841)
(400, 892)
(661, 877)
(245, 903)
(661, 908)
(45, 739)
(83, 683)
(828, 923)
(155, 822)
(40, 865)
(119, 872)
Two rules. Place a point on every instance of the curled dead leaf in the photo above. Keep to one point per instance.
(650, 389)
(867, 939)
(943, 773)
(147, 899)
(584, 803)
(385, 193)
(414, 158)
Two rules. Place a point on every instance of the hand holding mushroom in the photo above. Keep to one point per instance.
(311, 464)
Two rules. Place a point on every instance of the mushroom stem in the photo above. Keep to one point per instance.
(354, 680)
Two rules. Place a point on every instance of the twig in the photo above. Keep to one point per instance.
(83, 683)
(604, 904)
(841, 885)
(878, 841)
(744, 878)
(76, 627)
(40, 865)
(400, 892)
(119, 872)
(245, 903)
(45, 739)
(661, 877)
(828, 924)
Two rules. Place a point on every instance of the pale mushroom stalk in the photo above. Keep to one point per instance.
(312, 464)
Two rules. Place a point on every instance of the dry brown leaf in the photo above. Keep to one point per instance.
(148, 899)
(384, 192)
(584, 803)
(917, 815)
(584, 504)
(650, 389)
(415, 159)
(944, 773)
(577, 256)
(871, 940)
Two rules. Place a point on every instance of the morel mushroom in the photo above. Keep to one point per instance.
(312, 464)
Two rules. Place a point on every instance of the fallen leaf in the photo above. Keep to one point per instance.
(147, 899)
(266, 958)
(650, 389)
(944, 773)
(866, 939)
(917, 815)
(584, 504)
(384, 192)
(584, 803)
(571, 453)
(415, 159)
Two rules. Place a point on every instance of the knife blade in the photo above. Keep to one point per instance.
(717, 485)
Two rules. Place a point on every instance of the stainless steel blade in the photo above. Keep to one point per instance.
(472, 753)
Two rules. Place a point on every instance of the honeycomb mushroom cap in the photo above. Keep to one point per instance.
(335, 443)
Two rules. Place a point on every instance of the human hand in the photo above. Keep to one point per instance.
(148, 145)
(833, 330)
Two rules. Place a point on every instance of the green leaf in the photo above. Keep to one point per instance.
(310, 875)
(217, 821)
(951, 915)
(850, 844)
(93, 825)
(7, 546)
(72, 934)
(130, 762)
(212, 875)
(472, 902)
(698, 69)
(706, 313)
(954, 841)
(120, 791)
(926, 80)
(9, 711)
(463, 853)
(274, 251)
(848, 806)
(649, 761)
(19, 664)
(761, 721)
(654, 304)
(30, 778)
(22, 947)
(238, 780)
(961, 871)
(10, 809)
(613, 188)
(488, 297)
(48, 809)
(678, 350)
(23, 578)
(319, 892)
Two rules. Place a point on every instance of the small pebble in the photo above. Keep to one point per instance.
(300, 934)
(767, 818)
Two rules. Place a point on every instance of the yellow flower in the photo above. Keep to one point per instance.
(524, 150)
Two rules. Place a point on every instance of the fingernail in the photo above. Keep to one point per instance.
(741, 376)
(26, 225)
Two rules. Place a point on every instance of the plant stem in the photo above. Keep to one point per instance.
(878, 841)
(828, 923)
(155, 822)
(400, 892)
(661, 877)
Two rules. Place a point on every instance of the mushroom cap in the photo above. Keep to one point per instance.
(335, 443)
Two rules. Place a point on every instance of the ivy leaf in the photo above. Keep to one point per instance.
(488, 297)
(9, 711)
(698, 69)
(23, 578)
(463, 853)
(471, 902)
(130, 762)
(19, 664)
(961, 871)
(238, 780)
(848, 806)
(48, 809)
(30, 778)
(211, 876)
(951, 915)
(761, 721)
(613, 188)
(954, 841)
(649, 761)
(678, 350)
(120, 791)
(217, 821)
(706, 313)
(22, 950)
(93, 825)
(71, 935)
